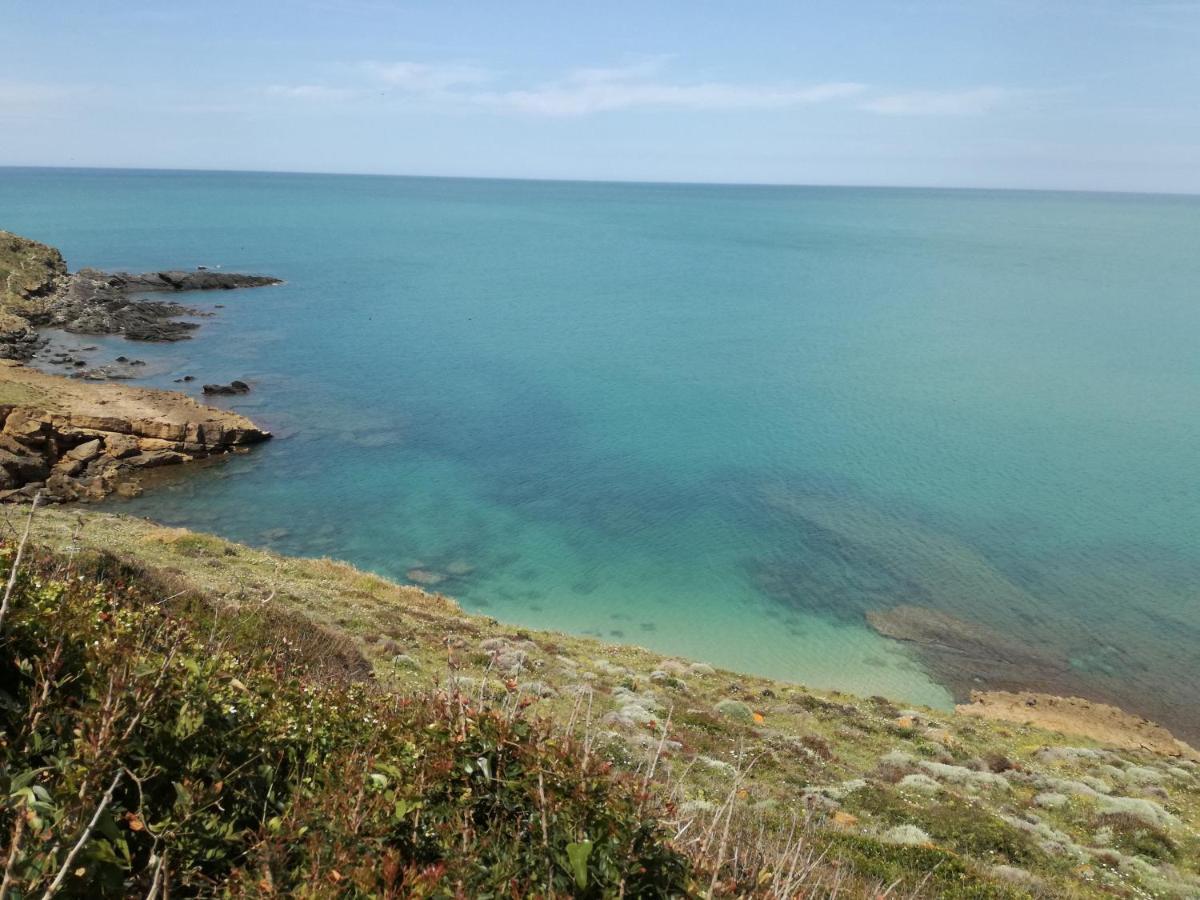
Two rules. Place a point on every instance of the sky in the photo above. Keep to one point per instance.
(1088, 95)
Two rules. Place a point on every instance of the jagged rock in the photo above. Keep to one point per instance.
(231, 389)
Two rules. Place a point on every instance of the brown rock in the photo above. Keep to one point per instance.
(24, 468)
(156, 458)
(85, 451)
(120, 446)
(61, 487)
(27, 427)
(69, 467)
(152, 445)
(128, 489)
(92, 430)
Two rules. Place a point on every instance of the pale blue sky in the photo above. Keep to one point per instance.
(1102, 94)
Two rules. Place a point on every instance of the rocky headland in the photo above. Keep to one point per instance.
(68, 440)
(37, 291)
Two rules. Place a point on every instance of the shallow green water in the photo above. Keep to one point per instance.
(717, 421)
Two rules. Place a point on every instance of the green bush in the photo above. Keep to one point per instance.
(151, 743)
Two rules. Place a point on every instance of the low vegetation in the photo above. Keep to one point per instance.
(183, 716)
(154, 745)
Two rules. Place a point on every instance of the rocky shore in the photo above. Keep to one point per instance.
(37, 291)
(67, 440)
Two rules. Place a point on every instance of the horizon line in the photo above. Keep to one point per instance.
(604, 181)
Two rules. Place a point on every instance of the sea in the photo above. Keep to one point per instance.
(723, 422)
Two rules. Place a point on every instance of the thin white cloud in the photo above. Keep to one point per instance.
(581, 97)
(641, 70)
(970, 102)
(425, 78)
(641, 84)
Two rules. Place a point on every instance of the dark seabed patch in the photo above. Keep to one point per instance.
(1071, 630)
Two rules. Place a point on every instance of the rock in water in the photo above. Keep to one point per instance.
(234, 387)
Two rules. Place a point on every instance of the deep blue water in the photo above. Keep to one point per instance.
(718, 421)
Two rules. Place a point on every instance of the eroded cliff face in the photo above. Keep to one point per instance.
(74, 441)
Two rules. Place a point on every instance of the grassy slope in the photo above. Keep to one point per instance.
(990, 809)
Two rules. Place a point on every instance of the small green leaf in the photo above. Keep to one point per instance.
(24, 779)
(578, 854)
(404, 807)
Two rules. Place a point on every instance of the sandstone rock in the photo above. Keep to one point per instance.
(85, 452)
(86, 433)
(157, 458)
(152, 445)
(128, 489)
(69, 467)
(61, 487)
(121, 446)
(24, 468)
(27, 426)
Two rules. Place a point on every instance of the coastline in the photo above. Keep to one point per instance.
(75, 440)
(70, 438)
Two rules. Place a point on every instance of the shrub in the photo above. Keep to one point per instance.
(153, 743)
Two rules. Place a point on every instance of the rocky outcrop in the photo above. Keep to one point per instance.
(30, 272)
(95, 302)
(36, 291)
(74, 441)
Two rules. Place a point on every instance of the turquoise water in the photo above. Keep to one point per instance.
(716, 421)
